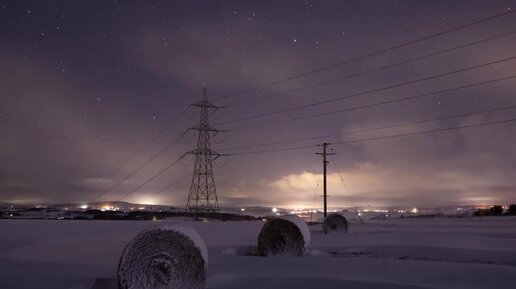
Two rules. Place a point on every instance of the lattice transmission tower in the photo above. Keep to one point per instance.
(203, 193)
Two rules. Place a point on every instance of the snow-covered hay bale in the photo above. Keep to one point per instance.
(288, 235)
(164, 257)
(335, 223)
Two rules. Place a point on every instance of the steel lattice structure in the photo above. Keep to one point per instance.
(203, 193)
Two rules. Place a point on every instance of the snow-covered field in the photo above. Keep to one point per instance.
(401, 253)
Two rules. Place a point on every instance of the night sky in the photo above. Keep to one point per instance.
(90, 90)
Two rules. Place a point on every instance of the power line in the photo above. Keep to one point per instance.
(162, 151)
(168, 186)
(354, 108)
(313, 202)
(428, 131)
(369, 91)
(134, 155)
(375, 128)
(365, 72)
(486, 19)
(175, 182)
(380, 138)
(139, 151)
(153, 177)
(273, 150)
(346, 191)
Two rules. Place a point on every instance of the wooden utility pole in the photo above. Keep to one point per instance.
(325, 153)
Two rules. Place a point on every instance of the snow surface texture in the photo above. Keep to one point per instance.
(301, 225)
(476, 253)
(335, 223)
(192, 234)
(288, 236)
(164, 257)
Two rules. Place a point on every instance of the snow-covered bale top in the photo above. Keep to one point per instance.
(288, 235)
(164, 257)
(335, 223)
(301, 225)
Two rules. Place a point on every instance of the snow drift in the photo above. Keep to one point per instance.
(288, 235)
(335, 223)
(164, 257)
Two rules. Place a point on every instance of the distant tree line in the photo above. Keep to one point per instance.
(146, 215)
(133, 215)
(496, 210)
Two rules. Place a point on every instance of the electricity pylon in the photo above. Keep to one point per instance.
(203, 193)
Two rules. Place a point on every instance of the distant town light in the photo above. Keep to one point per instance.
(242, 209)
(274, 210)
(148, 201)
(415, 210)
(84, 207)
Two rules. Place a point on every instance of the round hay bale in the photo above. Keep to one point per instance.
(301, 225)
(164, 257)
(288, 236)
(335, 223)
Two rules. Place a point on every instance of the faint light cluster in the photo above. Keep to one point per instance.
(305, 211)
(376, 211)
(109, 208)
